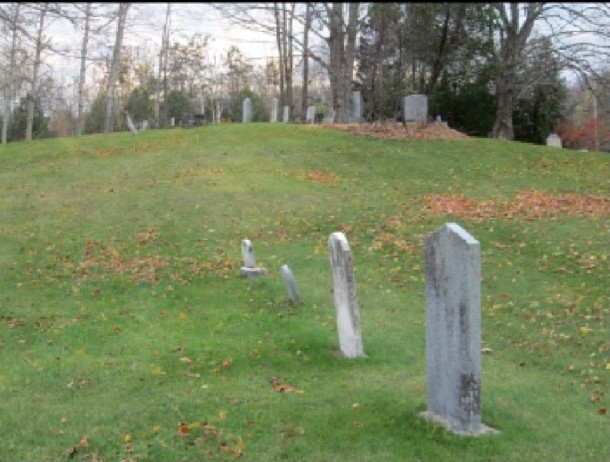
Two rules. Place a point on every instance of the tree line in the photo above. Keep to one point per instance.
(489, 69)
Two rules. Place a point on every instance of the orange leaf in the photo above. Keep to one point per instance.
(183, 429)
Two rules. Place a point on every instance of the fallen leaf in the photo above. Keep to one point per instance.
(602, 411)
(183, 429)
(227, 363)
(280, 387)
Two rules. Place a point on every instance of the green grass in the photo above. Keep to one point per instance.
(123, 314)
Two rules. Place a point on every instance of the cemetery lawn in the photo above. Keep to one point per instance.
(127, 334)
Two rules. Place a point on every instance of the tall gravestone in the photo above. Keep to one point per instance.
(311, 115)
(415, 108)
(249, 269)
(286, 114)
(453, 330)
(346, 301)
(356, 106)
(247, 111)
(291, 287)
(553, 140)
(274, 109)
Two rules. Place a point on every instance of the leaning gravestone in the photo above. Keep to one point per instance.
(346, 301)
(553, 140)
(250, 269)
(247, 111)
(311, 115)
(356, 107)
(286, 114)
(130, 124)
(274, 108)
(415, 108)
(453, 330)
(291, 287)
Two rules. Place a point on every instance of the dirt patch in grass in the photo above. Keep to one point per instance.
(409, 131)
(531, 205)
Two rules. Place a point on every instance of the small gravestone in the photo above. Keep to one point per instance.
(286, 115)
(553, 140)
(291, 287)
(130, 124)
(346, 301)
(453, 330)
(247, 111)
(250, 269)
(172, 121)
(356, 107)
(415, 108)
(144, 125)
(311, 115)
(274, 109)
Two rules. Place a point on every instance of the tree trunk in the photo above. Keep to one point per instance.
(342, 44)
(83, 68)
(34, 88)
(162, 67)
(8, 88)
(114, 69)
(288, 55)
(305, 88)
(513, 38)
(281, 50)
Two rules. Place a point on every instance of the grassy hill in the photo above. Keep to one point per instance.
(128, 334)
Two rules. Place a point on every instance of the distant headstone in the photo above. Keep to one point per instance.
(356, 107)
(286, 114)
(274, 108)
(293, 293)
(415, 108)
(130, 124)
(346, 301)
(172, 121)
(249, 269)
(553, 140)
(144, 125)
(311, 115)
(453, 330)
(247, 111)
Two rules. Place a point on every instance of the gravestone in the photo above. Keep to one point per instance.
(553, 140)
(274, 108)
(130, 124)
(293, 293)
(172, 121)
(247, 111)
(346, 301)
(415, 108)
(311, 115)
(286, 114)
(356, 107)
(453, 330)
(250, 269)
(144, 125)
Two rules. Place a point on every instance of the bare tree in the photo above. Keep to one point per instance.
(305, 86)
(114, 69)
(13, 19)
(33, 94)
(162, 74)
(563, 21)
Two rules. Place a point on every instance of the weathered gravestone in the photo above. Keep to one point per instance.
(286, 114)
(311, 115)
(274, 109)
(356, 107)
(346, 301)
(553, 140)
(130, 124)
(247, 111)
(291, 287)
(453, 330)
(415, 108)
(250, 269)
